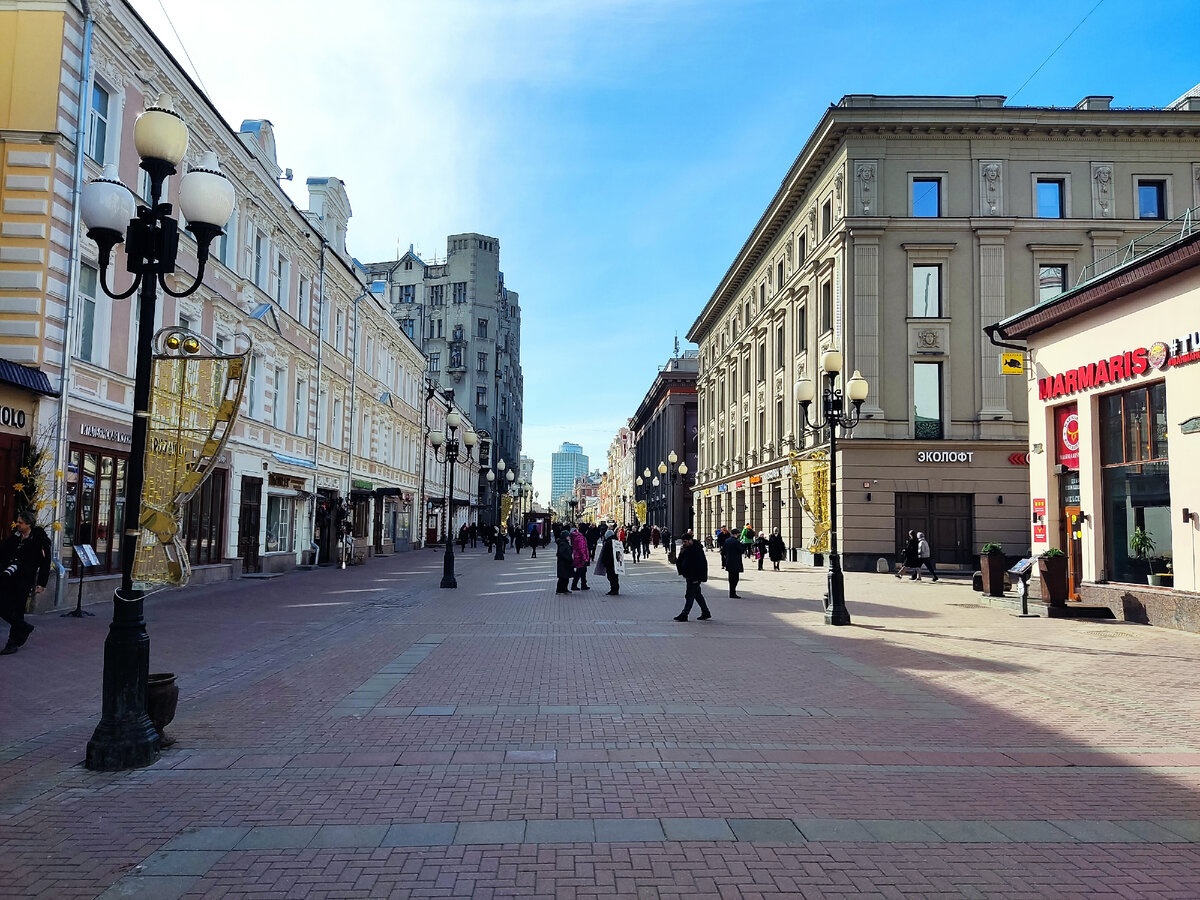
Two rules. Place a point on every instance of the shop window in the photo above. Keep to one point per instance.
(203, 534)
(280, 518)
(926, 291)
(94, 502)
(927, 401)
(1136, 480)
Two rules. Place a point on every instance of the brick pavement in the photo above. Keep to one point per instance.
(362, 733)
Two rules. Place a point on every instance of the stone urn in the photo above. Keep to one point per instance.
(1055, 582)
(162, 697)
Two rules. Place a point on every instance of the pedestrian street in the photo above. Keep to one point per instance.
(364, 733)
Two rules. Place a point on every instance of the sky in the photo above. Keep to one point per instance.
(620, 150)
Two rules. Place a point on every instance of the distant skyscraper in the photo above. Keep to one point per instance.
(566, 465)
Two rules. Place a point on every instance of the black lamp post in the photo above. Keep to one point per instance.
(833, 409)
(125, 738)
(501, 527)
(638, 482)
(571, 504)
(447, 444)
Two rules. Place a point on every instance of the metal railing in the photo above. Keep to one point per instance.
(1177, 229)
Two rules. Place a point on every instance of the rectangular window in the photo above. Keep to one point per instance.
(481, 397)
(926, 291)
(280, 516)
(481, 328)
(481, 360)
(87, 312)
(1136, 480)
(1051, 198)
(826, 307)
(436, 294)
(1052, 281)
(406, 325)
(435, 362)
(299, 408)
(278, 401)
(826, 218)
(335, 427)
(185, 323)
(97, 140)
(439, 327)
(281, 281)
(927, 401)
(802, 247)
(302, 302)
(926, 198)
(339, 330)
(252, 388)
(802, 329)
(1152, 199)
(780, 346)
(408, 293)
(779, 426)
(460, 291)
(762, 361)
(779, 276)
(762, 295)
(260, 252)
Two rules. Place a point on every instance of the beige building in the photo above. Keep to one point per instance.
(333, 402)
(903, 227)
(1114, 428)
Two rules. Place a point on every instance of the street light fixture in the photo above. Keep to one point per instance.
(833, 409)
(501, 533)
(125, 738)
(452, 455)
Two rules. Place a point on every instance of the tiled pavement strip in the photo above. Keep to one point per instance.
(362, 733)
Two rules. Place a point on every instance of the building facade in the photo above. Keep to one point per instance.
(567, 464)
(617, 492)
(666, 421)
(468, 323)
(1114, 430)
(904, 225)
(331, 410)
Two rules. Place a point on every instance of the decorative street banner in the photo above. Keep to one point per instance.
(506, 503)
(810, 479)
(641, 511)
(194, 398)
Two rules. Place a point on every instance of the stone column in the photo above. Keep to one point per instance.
(993, 410)
(867, 334)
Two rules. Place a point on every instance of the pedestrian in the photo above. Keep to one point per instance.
(635, 543)
(731, 555)
(487, 538)
(579, 559)
(693, 566)
(775, 548)
(646, 541)
(723, 537)
(924, 556)
(534, 539)
(564, 565)
(655, 536)
(24, 568)
(608, 560)
(910, 558)
(473, 531)
(760, 549)
(463, 537)
(518, 539)
(669, 542)
(747, 540)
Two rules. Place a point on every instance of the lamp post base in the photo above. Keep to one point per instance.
(835, 609)
(448, 579)
(125, 737)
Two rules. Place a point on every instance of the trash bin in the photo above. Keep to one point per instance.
(792, 554)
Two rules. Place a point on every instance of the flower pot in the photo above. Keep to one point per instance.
(993, 566)
(1167, 579)
(1053, 572)
(162, 698)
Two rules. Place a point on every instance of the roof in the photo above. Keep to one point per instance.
(26, 377)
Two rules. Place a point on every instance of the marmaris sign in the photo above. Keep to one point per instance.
(1121, 367)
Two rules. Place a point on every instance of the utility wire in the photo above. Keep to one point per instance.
(1052, 53)
(196, 71)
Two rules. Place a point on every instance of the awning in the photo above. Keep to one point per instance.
(26, 377)
(294, 460)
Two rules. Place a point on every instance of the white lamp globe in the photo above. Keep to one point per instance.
(672, 458)
(500, 465)
(857, 387)
(491, 476)
(436, 438)
(453, 419)
(683, 469)
(107, 204)
(831, 361)
(205, 194)
(470, 438)
(159, 132)
(804, 390)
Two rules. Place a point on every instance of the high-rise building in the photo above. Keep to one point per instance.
(569, 463)
(467, 321)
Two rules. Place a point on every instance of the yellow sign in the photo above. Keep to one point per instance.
(506, 503)
(1012, 363)
(194, 398)
(810, 480)
(641, 511)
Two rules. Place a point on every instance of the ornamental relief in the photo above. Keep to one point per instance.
(928, 338)
(991, 187)
(1102, 190)
(864, 186)
(761, 394)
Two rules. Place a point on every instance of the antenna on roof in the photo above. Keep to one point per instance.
(677, 345)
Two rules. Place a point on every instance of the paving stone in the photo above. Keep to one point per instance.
(562, 710)
(278, 837)
(434, 711)
(560, 831)
(150, 887)
(621, 830)
(349, 836)
(423, 834)
(1096, 832)
(1151, 832)
(1189, 829)
(490, 833)
(1032, 832)
(207, 838)
(776, 831)
(180, 862)
(697, 830)
(963, 832)
(833, 830)
(530, 756)
(899, 830)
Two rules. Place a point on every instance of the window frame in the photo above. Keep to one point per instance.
(106, 151)
(1063, 180)
(1163, 184)
(939, 310)
(938, 178)
(940, 394)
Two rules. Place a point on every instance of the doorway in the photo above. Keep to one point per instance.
(947, 520)
(249, 518)
(1071, 540)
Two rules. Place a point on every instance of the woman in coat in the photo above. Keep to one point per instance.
(747, 540)
(608, 561)
(760, 549)
(775, 548)
(911, 558)
(565, 566)
(731, 556)
(579, 559)
(24, 568)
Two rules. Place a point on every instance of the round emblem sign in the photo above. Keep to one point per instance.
(1158, 355)
(1070, 432)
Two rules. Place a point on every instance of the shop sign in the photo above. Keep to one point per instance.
(1039, 534)
(1130, 364)
(722, 488)
(756, 479)
(740, 484)
(10, 417)
(106, 434)
(771, 474)
(1039, 506)
(945, 456)
(1066, 435)
(1018, 459)
(359, 485)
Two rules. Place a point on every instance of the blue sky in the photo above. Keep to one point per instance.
(621, 150)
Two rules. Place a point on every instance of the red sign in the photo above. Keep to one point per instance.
(1066, 435)
(1121, 367)
(1039, 534)
(1018, 459)
(1039, 505)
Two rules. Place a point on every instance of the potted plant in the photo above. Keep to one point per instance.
(1141, 545)
(1165, 578)
(993, 563)
(1052, 568)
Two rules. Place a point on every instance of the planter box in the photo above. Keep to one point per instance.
(993, 567)
(1053, 572)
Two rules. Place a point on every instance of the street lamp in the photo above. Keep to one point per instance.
(833, 408)
(572, 503)
(501, 533)
(448, 445)
(125, 738)
(639, 482)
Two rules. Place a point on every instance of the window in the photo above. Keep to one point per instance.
(762, 295)
(826, 307)
(826, 218)
(779, 426)
(762, 361)
(97, 141)
(252, 387)
(779, 276)
(339, 331)
(439, 327)
(481, 363)
(1136, 478)
(299, 408)
(802, 247)
(927, 401)
(780, 346)
(436, 294)
(335, 427)
(260, 250)
(322, 413)
(460, 291)
(302, 301)
(406, 325)
(926, 291)
(926, 198)
(802, 329)
(408, 293)
(1052, 281)
(277, 402)
(281, 281)
(280, 515)
(87, 312)
(435, 362)
(185, 323)
(481, 328)
(1051, 198)
(1152, 199)
(481, 397)
(733, 376)
(224, 250)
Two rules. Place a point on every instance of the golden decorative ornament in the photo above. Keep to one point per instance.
(191, 345)
(173, 341)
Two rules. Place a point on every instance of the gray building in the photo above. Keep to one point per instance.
(460, 312)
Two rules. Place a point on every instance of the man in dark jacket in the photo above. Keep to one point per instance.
(565, 566)
(731, 556)
(608, 559)
(24, 562)
(693, 566)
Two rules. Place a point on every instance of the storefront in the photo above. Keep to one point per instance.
(1114, 397)
(94, 493)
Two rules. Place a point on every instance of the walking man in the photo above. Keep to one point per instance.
(731, 555)
(924, 556)
(24, 562)
(693, 566)
(609, 562)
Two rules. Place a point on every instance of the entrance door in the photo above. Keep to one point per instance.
(249, 517)
(12, 450)
(945, 519)
(1071, 539)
